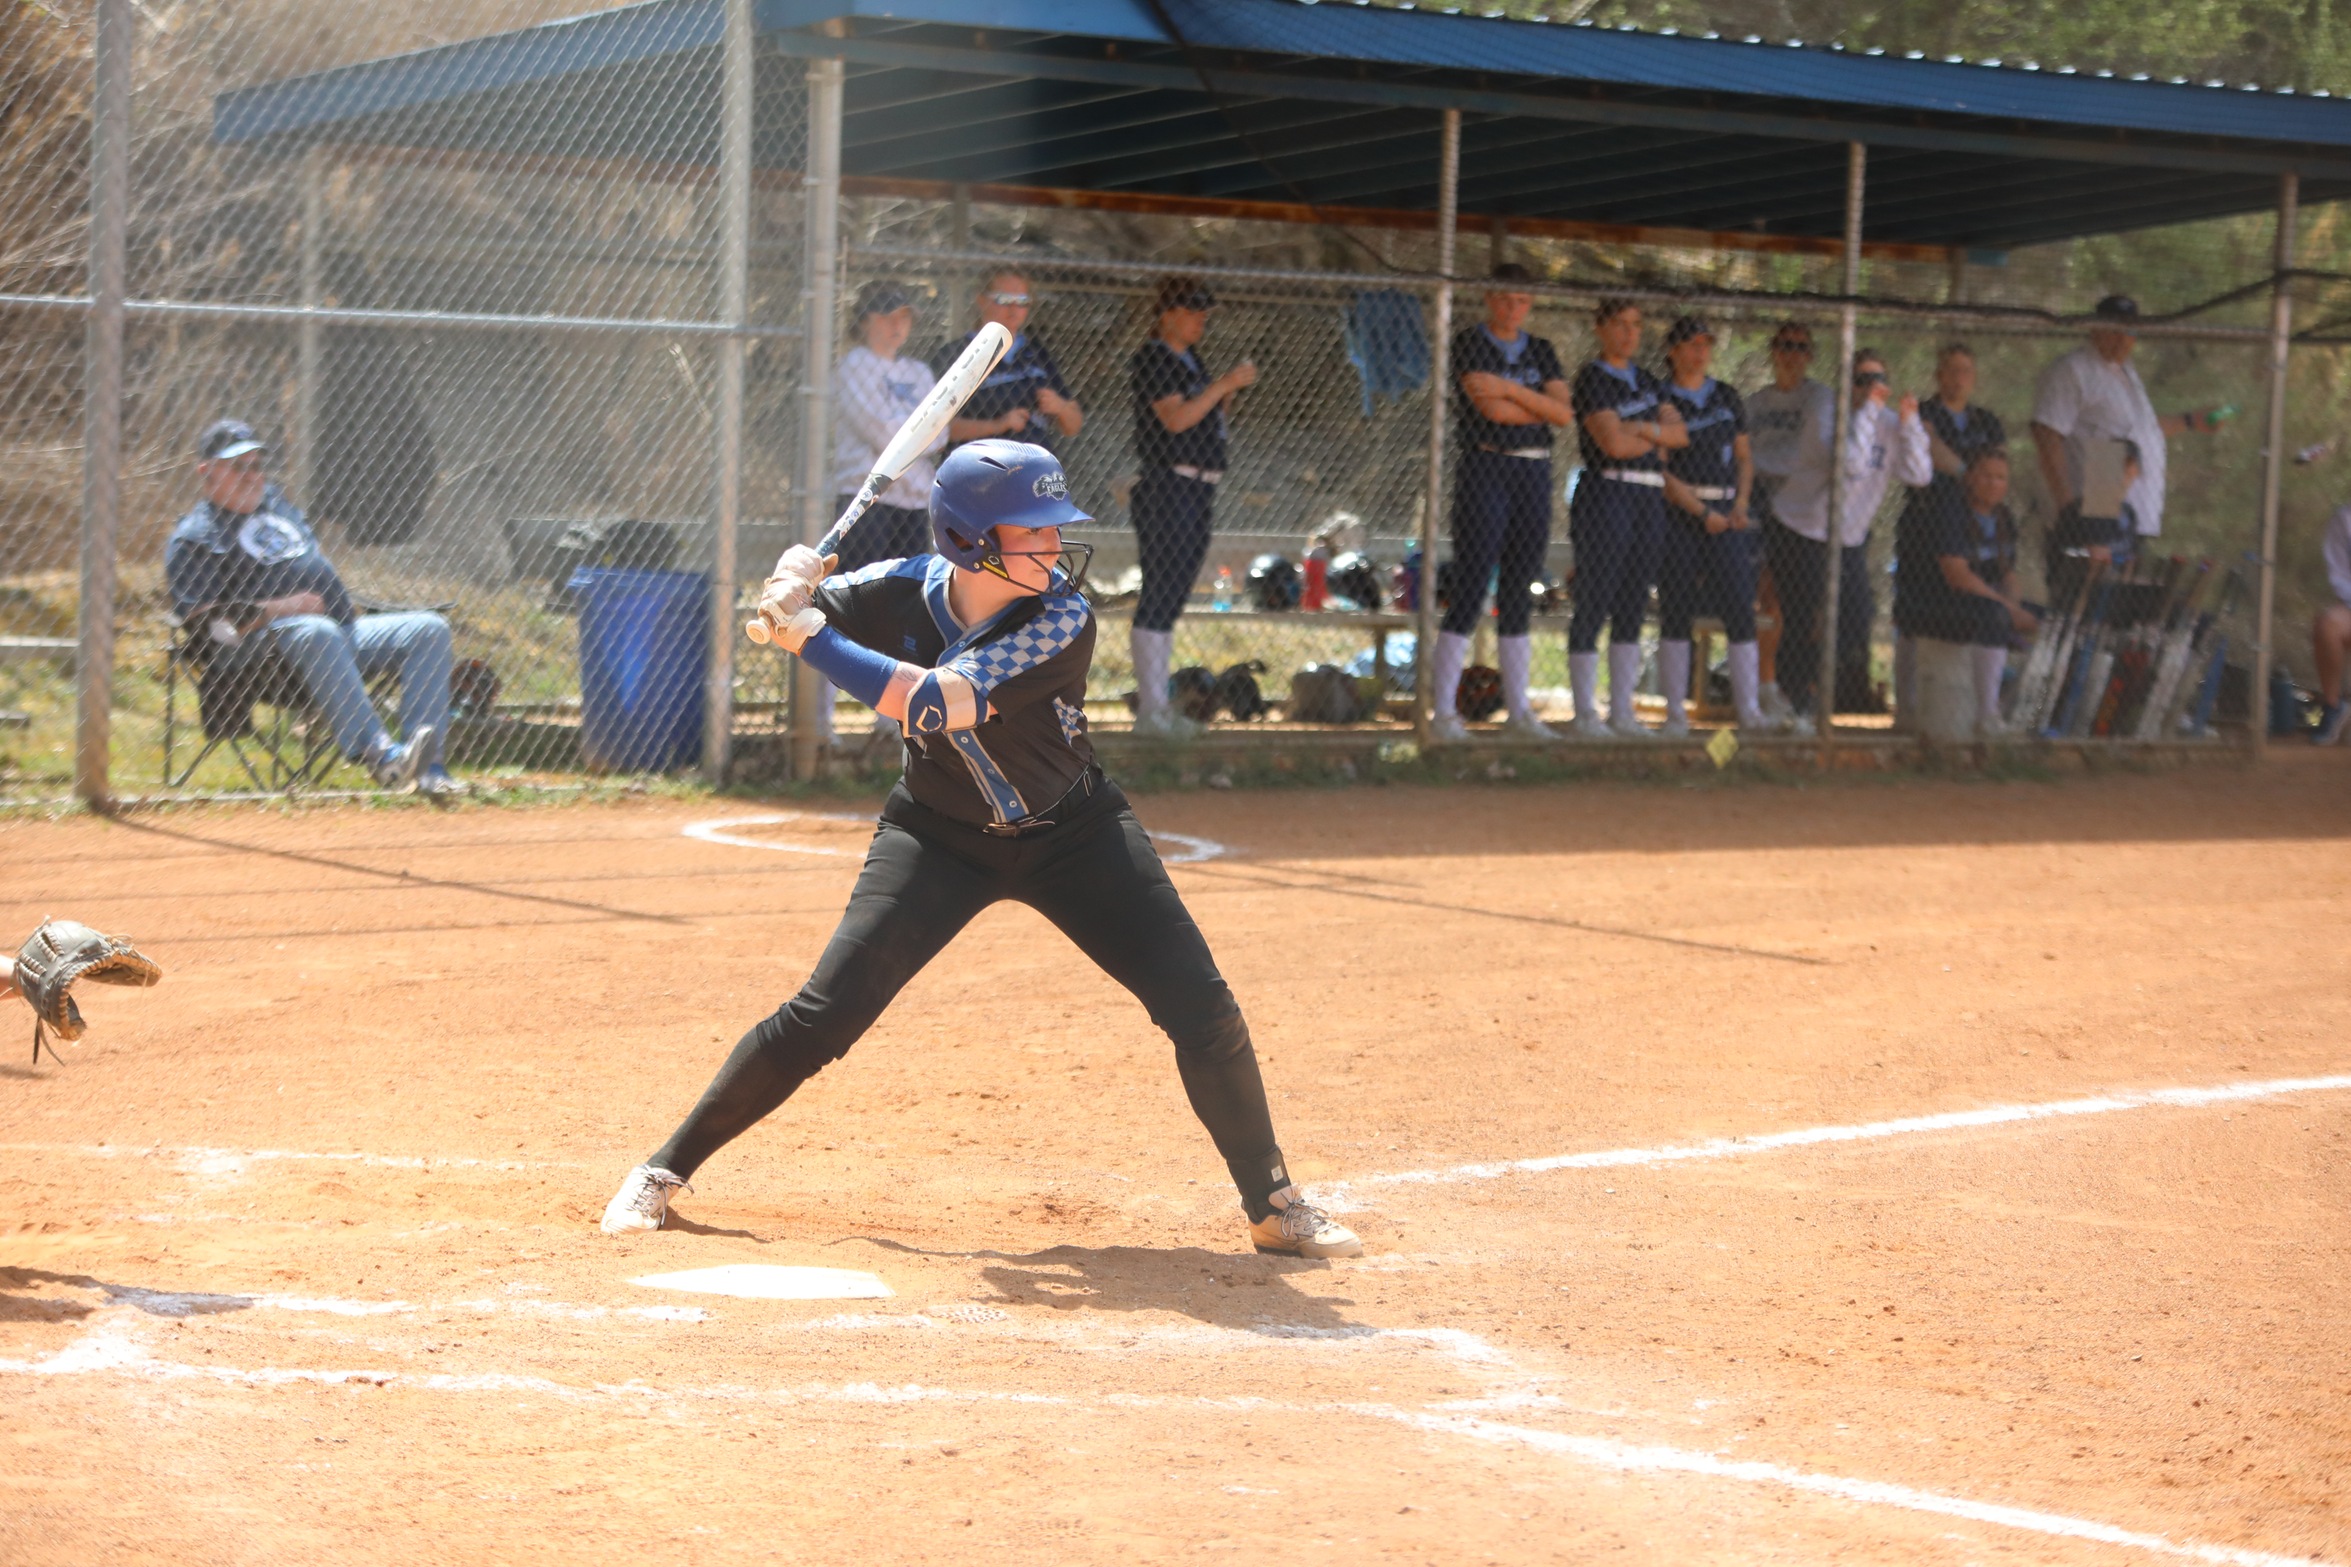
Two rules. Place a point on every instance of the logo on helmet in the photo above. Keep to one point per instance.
(1052, 484)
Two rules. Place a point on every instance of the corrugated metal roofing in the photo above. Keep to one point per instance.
(1333, 103)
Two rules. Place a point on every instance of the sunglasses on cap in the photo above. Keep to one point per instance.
(1010, 301)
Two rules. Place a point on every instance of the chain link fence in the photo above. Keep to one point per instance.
(491, 380)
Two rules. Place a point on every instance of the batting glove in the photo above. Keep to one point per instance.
(794, 633)
(782, 598)
(805, 564)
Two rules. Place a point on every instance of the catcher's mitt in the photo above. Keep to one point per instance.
(61, 952)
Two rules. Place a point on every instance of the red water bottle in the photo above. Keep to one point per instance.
(1317, 591)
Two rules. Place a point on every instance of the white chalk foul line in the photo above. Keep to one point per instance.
(201, 1160)
(1625, 1457)
(1334, 1195)
(107, 1350)
(1189, 850)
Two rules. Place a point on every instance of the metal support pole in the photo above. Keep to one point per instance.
(1497, 241)
(1440, 405)
(821, 226)
(2273, 461)
(1824, 696)
(734, 303)
(310, 336)
(110, 157)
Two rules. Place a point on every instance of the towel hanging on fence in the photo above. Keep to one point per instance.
(1388, 343)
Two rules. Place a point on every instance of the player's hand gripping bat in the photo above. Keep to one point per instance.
(914, 437)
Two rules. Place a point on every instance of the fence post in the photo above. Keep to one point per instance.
(110, 147)
(736, 87)
(1440, 382)
(2273, 460)
(1824, 696)
(303, 446)
(821, 228)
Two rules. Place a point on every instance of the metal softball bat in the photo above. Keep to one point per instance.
(979, 357)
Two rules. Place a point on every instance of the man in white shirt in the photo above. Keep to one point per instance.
(2093, 393)
(2330, 630)
(1884, 443)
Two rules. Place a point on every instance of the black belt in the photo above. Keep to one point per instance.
(1053, 815)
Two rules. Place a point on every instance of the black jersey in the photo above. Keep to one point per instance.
(1157, 371)
(1025, 367)
(1631, 393)
(1529, 360)
(1966, 433)
(1925, 605)
(1716, 418)
(1029, 664)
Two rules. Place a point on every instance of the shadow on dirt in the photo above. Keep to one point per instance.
(1250, 1293)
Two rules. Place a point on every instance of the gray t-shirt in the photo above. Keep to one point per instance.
(1775, 419)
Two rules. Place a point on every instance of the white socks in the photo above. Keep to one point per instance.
(1673, 673)
(1583, 676)
(1624, 673)
(1452, 654)
(1152, 652)
(1746, 688)
(1990, 664)
(1517, 656)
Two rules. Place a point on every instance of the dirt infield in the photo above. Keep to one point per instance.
(300, 1259)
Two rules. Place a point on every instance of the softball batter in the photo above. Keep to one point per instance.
(1617, 518)
(981, 651)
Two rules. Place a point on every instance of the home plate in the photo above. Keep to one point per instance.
(767, 1281)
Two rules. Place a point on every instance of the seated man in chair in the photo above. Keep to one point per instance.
(246, 572)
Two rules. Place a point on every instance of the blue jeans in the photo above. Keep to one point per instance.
(334, 662)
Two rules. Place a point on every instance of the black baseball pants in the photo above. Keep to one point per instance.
(1097, 878)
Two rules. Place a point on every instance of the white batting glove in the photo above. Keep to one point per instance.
(793, 634)
(782, 598)
(804, 564)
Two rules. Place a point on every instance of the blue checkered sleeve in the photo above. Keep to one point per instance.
(1053, 631)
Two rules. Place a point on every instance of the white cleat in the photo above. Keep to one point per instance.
(1526, 726)
(1675, 729)
(1302, 1230)
(1447, 729)
(642, 1203)
(1755, 721)
(1630, 728)
(1590, 728)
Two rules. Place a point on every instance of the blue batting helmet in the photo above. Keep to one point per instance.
(986, 483)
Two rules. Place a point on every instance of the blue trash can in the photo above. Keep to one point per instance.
(644, 647)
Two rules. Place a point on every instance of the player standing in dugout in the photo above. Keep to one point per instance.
(1957, 429)
(1775, 419)
(1624, 425)
(981, 650)
(1509, 390)
(1024, 397)
(1180, 430)
(1708, 564)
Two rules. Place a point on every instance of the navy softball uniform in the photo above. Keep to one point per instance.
(1501, 485)
(1176, 492)
(1025, 367)
(1700, 572)
(1926, 509)
(1013, 808)
(1618, 515)
(1929, 606)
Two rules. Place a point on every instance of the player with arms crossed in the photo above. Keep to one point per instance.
(981, 651)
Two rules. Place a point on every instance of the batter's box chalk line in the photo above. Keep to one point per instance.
(1189, 850)
(107, 1350)
(1338, 1196)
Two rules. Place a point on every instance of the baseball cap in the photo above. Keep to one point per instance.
(882, 296)
(1686, 327)
(226, 438)
(2119, 308)
(1185, 293)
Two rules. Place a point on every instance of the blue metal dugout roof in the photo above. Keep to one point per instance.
(1333, 104)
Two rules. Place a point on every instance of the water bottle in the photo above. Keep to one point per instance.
(1222, 598)
(1316, 593)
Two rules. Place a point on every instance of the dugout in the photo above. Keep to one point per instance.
(617, 231)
